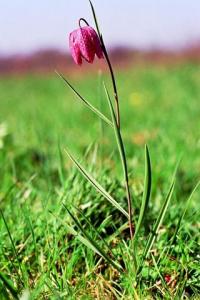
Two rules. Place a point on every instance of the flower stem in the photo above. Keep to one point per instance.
(117, 120)
(113, 81)
(82, 20)
(118, 124)
(109, 65)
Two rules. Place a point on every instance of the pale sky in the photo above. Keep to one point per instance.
(29, 25)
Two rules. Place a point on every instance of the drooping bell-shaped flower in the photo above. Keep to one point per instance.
(85, 44)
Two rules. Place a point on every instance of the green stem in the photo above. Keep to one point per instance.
(113, 81)
(109, 65)
(123, 160)
(117, 120)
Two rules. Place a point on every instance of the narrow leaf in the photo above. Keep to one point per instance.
(117, 134)
(178, 226)
(95, 230)
(13, 244)
(187, 205)
(96, 185)
(75, 233)
(88, 104)
(156, 226)
(123, 160)
(9, 285)
(146, 193)
(161, 276)
(95, 246)
(61, 164)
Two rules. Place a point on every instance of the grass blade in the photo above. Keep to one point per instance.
(178, 226)
(186, 206)
(117, 133)
(97, 186)
(92, 244)
(123, 159)
(13, 246)
(95, 230)
(61, 169)
(9, 285)
(146, 193)
(165, 287)
(88, 104)
(156, 226)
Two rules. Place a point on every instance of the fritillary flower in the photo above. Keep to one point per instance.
(85, 44)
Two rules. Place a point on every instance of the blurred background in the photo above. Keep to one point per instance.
(34, 34)
(155, 49)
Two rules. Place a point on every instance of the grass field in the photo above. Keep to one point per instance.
(39, 118)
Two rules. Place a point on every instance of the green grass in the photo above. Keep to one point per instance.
(39, 118)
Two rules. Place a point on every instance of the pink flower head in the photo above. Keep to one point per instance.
(84, 43)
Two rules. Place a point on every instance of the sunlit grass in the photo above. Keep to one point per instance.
(41, 117)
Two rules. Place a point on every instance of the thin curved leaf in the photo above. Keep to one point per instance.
(88, 104)
(96, 185)
(156, 226)
(89, 242)
(117, 134)
(146, 193)
(9, 285)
